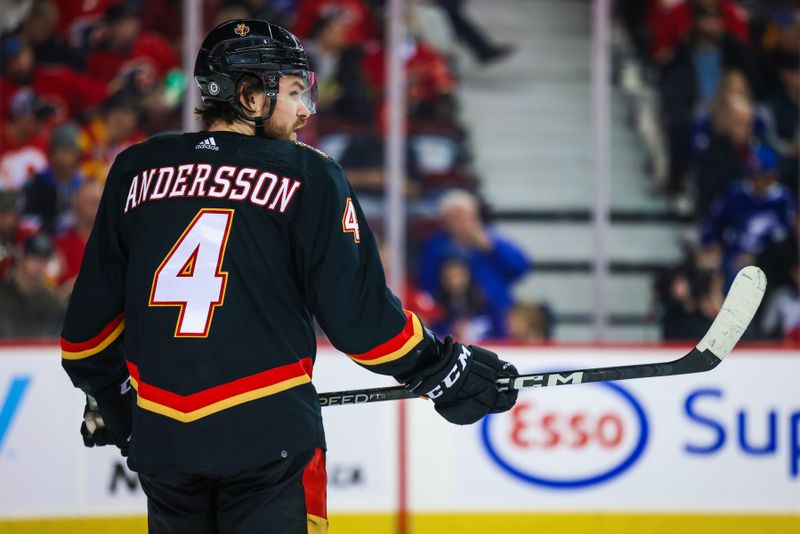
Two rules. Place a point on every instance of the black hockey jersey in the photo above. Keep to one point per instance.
(209, 256)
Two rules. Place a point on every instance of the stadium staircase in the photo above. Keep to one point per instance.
(530, 122)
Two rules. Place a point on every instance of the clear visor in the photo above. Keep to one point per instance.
(297, 87)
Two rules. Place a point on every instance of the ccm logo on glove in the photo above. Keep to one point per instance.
(453, 376)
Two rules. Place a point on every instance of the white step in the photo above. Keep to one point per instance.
(572, 292)
(568, 241)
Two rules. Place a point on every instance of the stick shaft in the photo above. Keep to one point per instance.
(694, 362)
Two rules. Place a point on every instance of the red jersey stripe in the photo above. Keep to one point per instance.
(202, 399)
(83, 349)
(393, 344)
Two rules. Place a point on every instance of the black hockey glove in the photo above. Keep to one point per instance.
(462, 384)
(107, 417)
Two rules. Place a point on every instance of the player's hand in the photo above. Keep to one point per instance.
(107, 418)
(462, 386)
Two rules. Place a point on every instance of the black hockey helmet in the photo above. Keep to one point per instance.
(249, 46)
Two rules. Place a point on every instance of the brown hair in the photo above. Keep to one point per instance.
(725, 98)
(213, 111)
(534, 318)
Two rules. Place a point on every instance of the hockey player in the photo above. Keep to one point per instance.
(190, 326)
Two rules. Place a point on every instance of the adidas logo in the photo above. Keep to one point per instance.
(208, 144)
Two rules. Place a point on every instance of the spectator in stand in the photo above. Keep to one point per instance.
(494, 262)
(68, 92)
(784, 113)
(23, 144)
(689, 84)
(108, 134)
(729, 149)
(48, 195)
(28, 309)
(38, 30)
(734, 86)
(431, 84)
(672, 24)
(528, 323)
(466, 314)
(751, 215)
(124, 50)
(341, 86)
(781, 316)
(691, 300)
(70, 243)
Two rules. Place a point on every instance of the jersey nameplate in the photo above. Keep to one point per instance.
(201, 180)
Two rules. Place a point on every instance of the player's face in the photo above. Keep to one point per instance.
(291, 112)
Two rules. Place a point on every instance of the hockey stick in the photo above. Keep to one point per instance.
(737, 311)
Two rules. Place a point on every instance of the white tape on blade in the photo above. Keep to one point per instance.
(738, 309)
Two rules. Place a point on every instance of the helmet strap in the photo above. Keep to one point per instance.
(272, 93)
(262, 120)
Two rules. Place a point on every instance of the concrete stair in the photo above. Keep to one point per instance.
(530, 123)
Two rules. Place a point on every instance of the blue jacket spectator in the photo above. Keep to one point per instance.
(494, 262)
(49, 194)
(751, 214)
(465, 312)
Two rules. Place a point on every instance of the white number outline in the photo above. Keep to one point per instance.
(219, 273)
(353, 226)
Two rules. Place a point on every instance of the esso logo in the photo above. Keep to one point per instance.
(570, 438)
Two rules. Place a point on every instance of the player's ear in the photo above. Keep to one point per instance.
(247, 101)
(253, 102)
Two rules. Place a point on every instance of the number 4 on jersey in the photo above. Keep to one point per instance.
(190, 276)
(350, 221)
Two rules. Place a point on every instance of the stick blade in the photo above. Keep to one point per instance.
(737, 311)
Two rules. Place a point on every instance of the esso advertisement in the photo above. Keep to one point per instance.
(567, 441)
(726, 441)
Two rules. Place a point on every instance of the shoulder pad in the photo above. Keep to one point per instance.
(318, 151)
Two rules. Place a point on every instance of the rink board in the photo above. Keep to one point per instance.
(466, 523)
(717, 451)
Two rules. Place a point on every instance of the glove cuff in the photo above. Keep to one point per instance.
(115, 391)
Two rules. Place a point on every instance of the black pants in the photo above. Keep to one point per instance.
(284, 497)
(465, 29)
